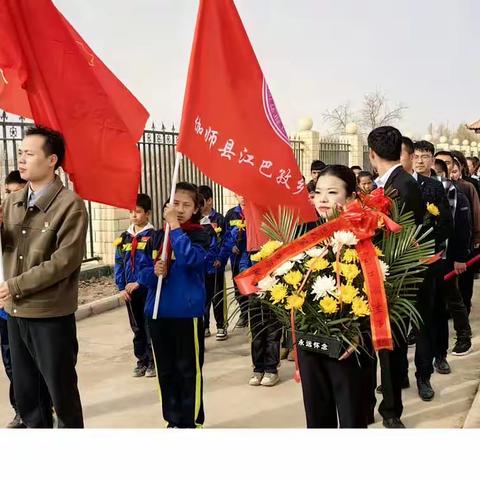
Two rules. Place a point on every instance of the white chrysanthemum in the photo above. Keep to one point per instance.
(315, 252)
(345, 237)
(283, 269)
(385, 269)
(298, 258)
(323, 285)
(267, 283)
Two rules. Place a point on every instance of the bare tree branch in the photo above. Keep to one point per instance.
(376, 112)
(339, 117)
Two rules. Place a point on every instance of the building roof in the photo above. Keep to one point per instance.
(474, 126)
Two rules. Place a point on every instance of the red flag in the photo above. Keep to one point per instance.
(48, 73)
(230, 126)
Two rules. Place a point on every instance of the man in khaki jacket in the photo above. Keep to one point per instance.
(43, 237)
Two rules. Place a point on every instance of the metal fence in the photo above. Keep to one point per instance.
(297, 147)
(11, 134)
(333, 152)
(366, 159)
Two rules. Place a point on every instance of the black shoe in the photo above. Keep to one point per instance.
(412, 338)
(242, 323)
(463, 346)
(405, 383)
(16, 422)
(379, 389)
(425, 389)
(442, 366)
(393, 423)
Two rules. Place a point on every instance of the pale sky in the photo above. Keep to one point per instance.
(315, 54)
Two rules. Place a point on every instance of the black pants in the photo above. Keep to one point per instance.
(449, 304)
(214, 285)
(330, 386)
(44, 355)
(368, 365)
(266, 332)
(7, 359)
(241, 299)
(178, 346)
(465, 283)
(427, 299)
(142, 348)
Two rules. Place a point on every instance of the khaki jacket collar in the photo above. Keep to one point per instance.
(44, 202)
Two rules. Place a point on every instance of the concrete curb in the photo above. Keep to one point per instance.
(99, 306)
(472, 420)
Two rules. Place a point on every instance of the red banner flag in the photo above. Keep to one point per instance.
(230, 126)
(48, 73)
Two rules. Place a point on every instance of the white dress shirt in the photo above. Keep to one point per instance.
(381, 181)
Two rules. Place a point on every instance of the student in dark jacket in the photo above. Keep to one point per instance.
(217, 258)
(418, 160)
(130, 248)
(177, 333)
(235, 242)
(385, 145)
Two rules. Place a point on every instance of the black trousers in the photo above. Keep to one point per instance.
(449, 304)
(329, 387)
(7, 359)
(427, 299)
(142, 348)
(241, 299)
(266, 332)
(465, 283)
(214, 285)
(44, 355)
(368, 366)
(178, 346)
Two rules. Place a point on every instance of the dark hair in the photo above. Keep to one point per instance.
(445, 152)
(317, 165)
(196, 197)
(14, 177)
(356, 167)
(205, 191)
(311, 186)
(145, 202)
(408, 144)
(343, 173)
(54, 143)
(474, 160)
(364, 173)
(442, 165)
(462, 160)
(386, 142)
(424, 146)
(458, 163)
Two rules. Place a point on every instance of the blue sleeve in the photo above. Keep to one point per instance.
(245, 261)
(146, 275)
(187, 254)
(119, 268)
(227, 245)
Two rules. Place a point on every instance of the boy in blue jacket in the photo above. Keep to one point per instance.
(177, 333)
(236, 244)
(217, 258)
(130, 248)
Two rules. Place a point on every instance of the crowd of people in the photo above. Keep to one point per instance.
(40, 293)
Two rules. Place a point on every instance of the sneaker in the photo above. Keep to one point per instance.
(425, 390)
(222, 334)
(16, 422)
(242, 323)
(256, 379)
(139, 371)
(393, 422)
(442, 366)
(207, 332)
(463, 346)
(270, 379)
(151, 372)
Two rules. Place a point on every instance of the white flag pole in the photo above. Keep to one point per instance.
(178, 158)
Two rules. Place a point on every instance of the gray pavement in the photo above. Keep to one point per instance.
(112, 398)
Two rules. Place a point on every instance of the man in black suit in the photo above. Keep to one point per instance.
(418, 160)
(385, 145)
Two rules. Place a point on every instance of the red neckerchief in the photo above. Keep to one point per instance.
(133, 252)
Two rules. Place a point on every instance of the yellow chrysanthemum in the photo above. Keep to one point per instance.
(240, 224)
(316, 264)
(350, 256)
(329, 304)
(379, 252)
(256, 257)
(266, 250)
(218, 230)
(349, 271)
(117, 241)
(293, 277)
(278, 293)
(348, 293)
(433, 209)
(295, 301)
(360, 307)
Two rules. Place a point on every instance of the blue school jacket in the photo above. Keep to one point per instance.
(217, 250)
(183, 289)
(234, 236)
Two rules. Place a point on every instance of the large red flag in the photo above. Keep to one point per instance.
(48, 73)
(230, 126)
